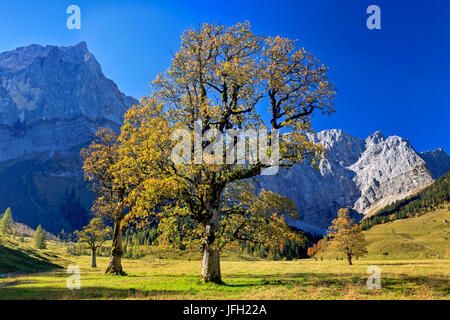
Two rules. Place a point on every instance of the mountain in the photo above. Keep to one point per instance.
(364, 175)
(52, 100)
(434, 196)
(438, 162)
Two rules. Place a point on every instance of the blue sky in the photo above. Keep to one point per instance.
(395, 79)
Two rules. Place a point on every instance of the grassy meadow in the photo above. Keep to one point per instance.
(416, 266)
(422, 237)
(154, 278)
(300, 279)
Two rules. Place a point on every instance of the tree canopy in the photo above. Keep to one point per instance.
(40, 238)
(347, 236)
(6, 223)
(94, 235)
(221, 80)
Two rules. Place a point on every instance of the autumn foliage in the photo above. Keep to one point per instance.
(347, 236)
(226, 78)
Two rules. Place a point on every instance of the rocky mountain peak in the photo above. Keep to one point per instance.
(23, 57)
(437, 161)
(52, 100)
(357, 174)
(341, 146)
(48, 89)
(375, 138)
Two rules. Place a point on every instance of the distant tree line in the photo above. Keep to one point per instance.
(290, 249)
(135, 243)
(73, 211)
(429, 199)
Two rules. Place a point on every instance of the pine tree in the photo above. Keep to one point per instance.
(39, 238)
(6, 223)
(347, 236)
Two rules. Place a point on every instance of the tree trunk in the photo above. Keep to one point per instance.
(211, 254)
(115, 264)
(211, 266)
(349, 259)
(94, 258)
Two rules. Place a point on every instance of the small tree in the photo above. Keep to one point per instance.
(347, 236)
(6, 223)
(39, 238)
(311, 252)
(99, 159)
(94, 235)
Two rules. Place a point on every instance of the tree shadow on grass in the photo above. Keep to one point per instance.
(21, 262)
(95, 293)
(439, 284)
(334, 283)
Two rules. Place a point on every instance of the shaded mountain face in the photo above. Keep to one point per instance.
(52, 100)
(437, 161)
(363, 175)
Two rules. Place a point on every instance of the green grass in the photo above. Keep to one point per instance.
(17, 257)
(416, 267)
(178, 279)
(427, 236)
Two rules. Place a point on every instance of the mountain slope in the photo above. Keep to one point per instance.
(427, 236)
(17, 257)
(438, 162)
(52, 100)
(363, 175)
(433, 196)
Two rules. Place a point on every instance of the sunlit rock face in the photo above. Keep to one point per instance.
(363, 175)
(52, 100)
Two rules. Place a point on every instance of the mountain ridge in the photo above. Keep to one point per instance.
(53, 90)
(358, 174)
(53, 99)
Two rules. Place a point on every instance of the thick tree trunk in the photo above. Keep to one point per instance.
(211, 254)
(211, 266)
(115, 264)
(349, 259)
(94, 258)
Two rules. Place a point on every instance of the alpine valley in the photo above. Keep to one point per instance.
(53, 99)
